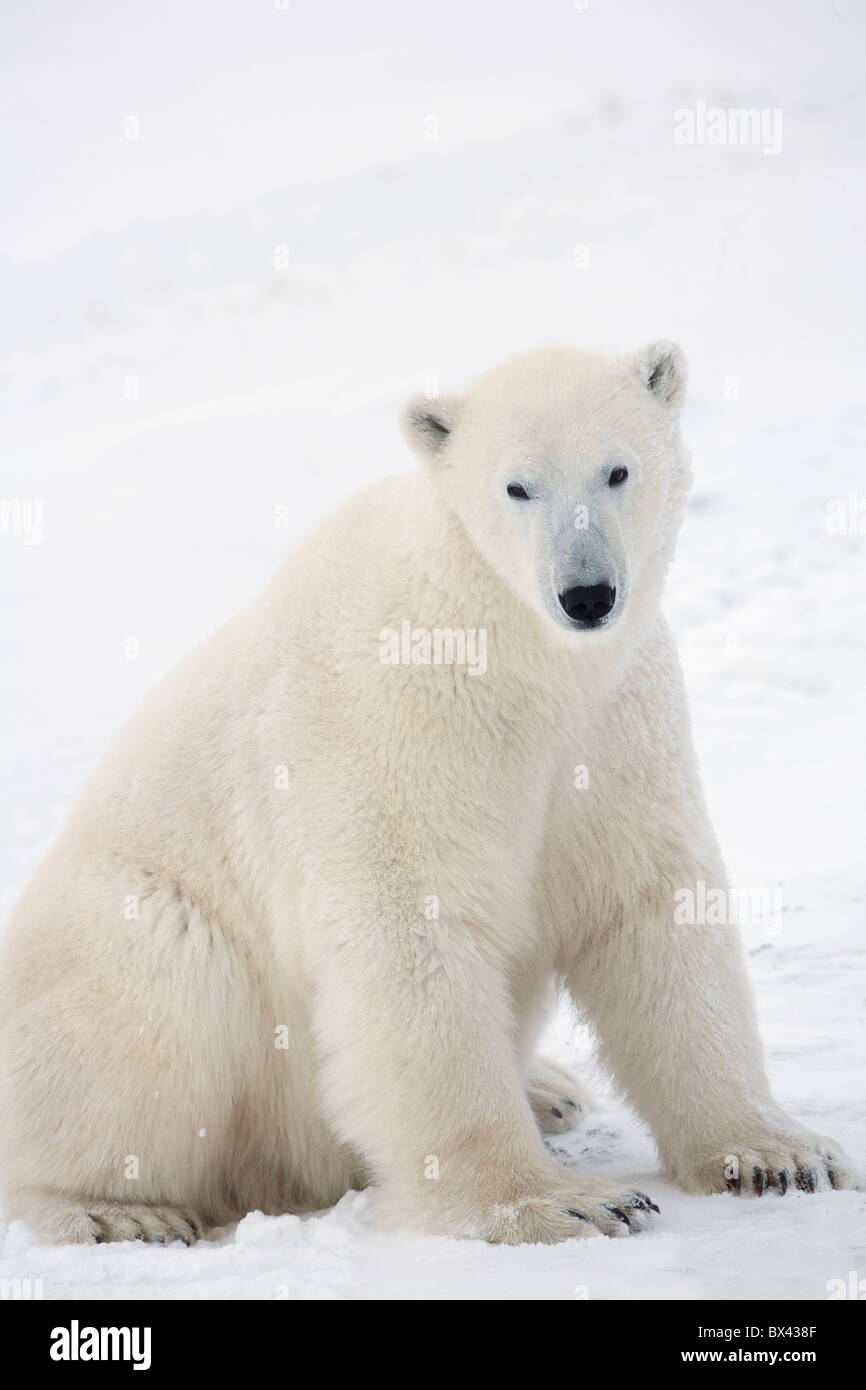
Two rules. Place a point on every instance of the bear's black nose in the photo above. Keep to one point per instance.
(590, 604)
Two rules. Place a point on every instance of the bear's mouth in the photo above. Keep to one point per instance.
(591, 625)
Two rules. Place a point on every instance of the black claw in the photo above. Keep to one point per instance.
(831, 1174)
(620, 1215)
(650, 1204)
(554, 1110)
(733, 1185)
(572, 1103)
(579, 1214)
(759, 1178)
(782, 1179)
(639, 1201)
(807, 1179)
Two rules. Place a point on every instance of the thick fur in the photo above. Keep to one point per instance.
(388, 867)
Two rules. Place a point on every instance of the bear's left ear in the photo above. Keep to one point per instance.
(427, 425)
(662, 369)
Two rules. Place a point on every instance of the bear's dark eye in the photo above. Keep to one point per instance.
(617, 476)
(518, 490)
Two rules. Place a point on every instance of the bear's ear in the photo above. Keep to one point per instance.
(427, 424)
(662, 369)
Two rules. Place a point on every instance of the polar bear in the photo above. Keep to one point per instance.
(302, 929)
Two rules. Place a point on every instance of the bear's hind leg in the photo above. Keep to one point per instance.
(80, 1221)
(558, 1098)
(125, 1062)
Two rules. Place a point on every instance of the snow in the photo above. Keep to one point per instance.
(219, 318)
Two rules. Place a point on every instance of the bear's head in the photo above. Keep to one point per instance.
(568, 474)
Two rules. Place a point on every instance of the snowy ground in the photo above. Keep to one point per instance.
(219, 318)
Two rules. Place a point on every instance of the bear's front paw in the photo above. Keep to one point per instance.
(782, 1162)
(559, 1101)
(576, 1210)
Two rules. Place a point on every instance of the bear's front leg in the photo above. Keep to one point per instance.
(674, 1013)
(419, 1076)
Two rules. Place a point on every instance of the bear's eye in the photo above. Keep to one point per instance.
(617, 476)
(518, 490)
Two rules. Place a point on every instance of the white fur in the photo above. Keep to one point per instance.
(146, 1046)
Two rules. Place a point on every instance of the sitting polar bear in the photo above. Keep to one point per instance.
(302, 929)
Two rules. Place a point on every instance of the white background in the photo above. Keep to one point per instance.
(166, 386)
